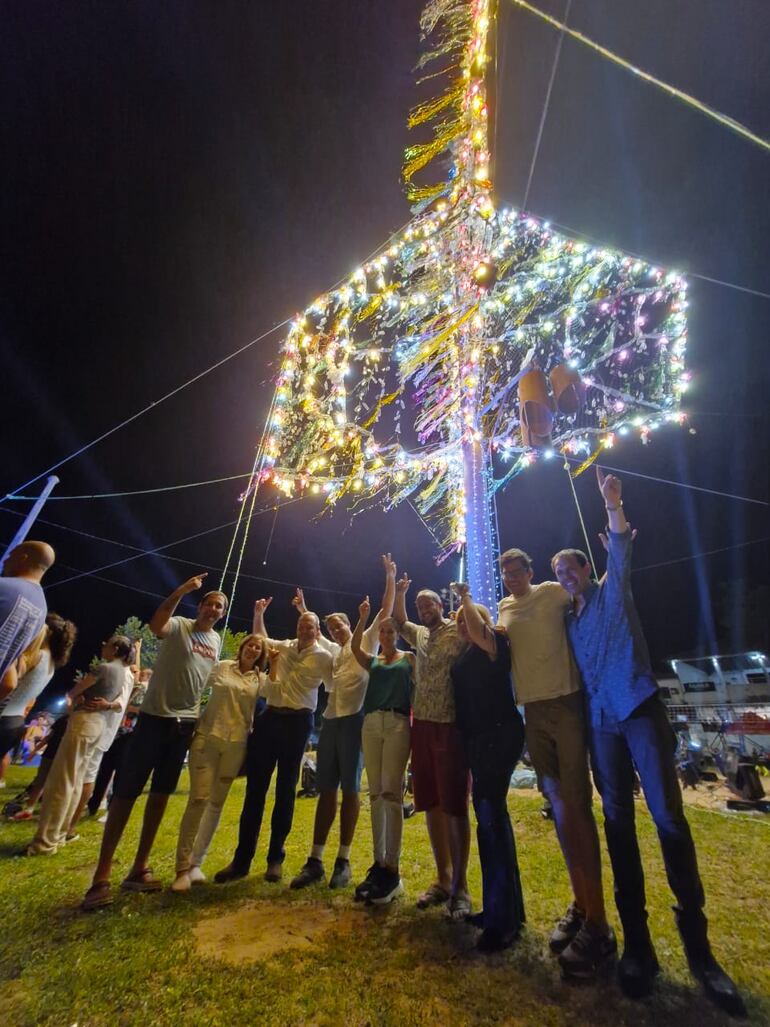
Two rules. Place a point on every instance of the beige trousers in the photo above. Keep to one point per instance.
(213, 765)
(386, 741)
(65, 780)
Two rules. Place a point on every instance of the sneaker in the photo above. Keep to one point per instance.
(196, 875)
(567, 928)
(312, 872)
(182, 882)
(23, 814)
(637, 969)
(102, 819)
(362, 890)
(71, 838)
(387, 887)
(586, 952)
(342, 874)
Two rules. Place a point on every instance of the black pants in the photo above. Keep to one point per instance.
(111, 763)
(647, 738)
(492, 757)
(11, 733)
(278, 740)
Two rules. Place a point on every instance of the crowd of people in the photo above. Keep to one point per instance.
(570, 653)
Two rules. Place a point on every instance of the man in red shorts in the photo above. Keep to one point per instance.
(439, 769)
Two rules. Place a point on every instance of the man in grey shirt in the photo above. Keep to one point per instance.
(163, 733)
(628, 726)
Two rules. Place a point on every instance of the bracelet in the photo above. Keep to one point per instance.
(613, 508)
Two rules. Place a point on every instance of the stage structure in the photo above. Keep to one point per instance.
(477, 341)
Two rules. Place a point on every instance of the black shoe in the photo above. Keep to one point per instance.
(492, 940)
(475, 919)
(718, 986)
(388, 886)
(342, 874)
(362, 890)
(587, 951)
(312, 872)
(567, 928)
(637, 969)
(230, 873)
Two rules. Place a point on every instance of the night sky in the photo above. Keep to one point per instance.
(179, 177)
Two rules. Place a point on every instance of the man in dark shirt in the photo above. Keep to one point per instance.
(628, 726)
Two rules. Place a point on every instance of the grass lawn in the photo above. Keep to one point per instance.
(138, 962)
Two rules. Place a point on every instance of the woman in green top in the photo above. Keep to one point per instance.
(386, 741)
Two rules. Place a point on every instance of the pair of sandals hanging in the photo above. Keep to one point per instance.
(538, 403)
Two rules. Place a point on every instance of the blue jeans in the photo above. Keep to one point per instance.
(647, 739)
(278, 739)
(492, 757)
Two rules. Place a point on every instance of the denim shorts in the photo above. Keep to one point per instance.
(340, 761)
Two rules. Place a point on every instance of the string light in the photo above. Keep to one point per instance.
(464, 303)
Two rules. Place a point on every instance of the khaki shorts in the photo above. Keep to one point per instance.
(557, 741)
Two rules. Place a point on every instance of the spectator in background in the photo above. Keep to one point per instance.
(50, 651)
(22, 606)
(98, 692)
(112, 721)
(112, 760)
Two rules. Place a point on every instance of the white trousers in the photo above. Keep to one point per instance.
(65, 780)
(213, 765)
(386, 741)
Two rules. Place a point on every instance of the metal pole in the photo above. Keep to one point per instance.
(31, 517)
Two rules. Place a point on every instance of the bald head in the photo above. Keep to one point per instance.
(29, 560)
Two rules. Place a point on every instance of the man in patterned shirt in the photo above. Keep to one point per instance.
(439, 768)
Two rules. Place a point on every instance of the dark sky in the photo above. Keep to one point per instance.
(177, 178)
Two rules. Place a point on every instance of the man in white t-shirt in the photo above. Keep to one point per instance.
(277, 742)
(548, 686)
(339, 744)
(164, 730)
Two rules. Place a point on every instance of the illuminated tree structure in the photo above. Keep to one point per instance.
(476, 332)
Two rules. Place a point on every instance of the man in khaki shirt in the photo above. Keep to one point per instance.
(547, 684)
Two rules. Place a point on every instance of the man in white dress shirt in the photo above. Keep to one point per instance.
(278, 739)
(339, 745)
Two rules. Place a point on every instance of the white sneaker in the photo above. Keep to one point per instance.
(182, 882)
(102, 819)
(196, 875)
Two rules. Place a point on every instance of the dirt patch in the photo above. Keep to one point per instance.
(259, 930)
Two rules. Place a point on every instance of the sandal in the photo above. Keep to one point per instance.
(433, 896)
(459, 906)
(97, 896)
(142, 880)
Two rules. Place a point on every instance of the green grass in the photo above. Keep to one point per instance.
(137, 963)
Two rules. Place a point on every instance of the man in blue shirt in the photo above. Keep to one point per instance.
(628, 727)
(22, 606)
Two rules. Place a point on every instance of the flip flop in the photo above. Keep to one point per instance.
(97, 896)
(433, 896)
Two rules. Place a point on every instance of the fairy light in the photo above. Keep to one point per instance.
(437, 327)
